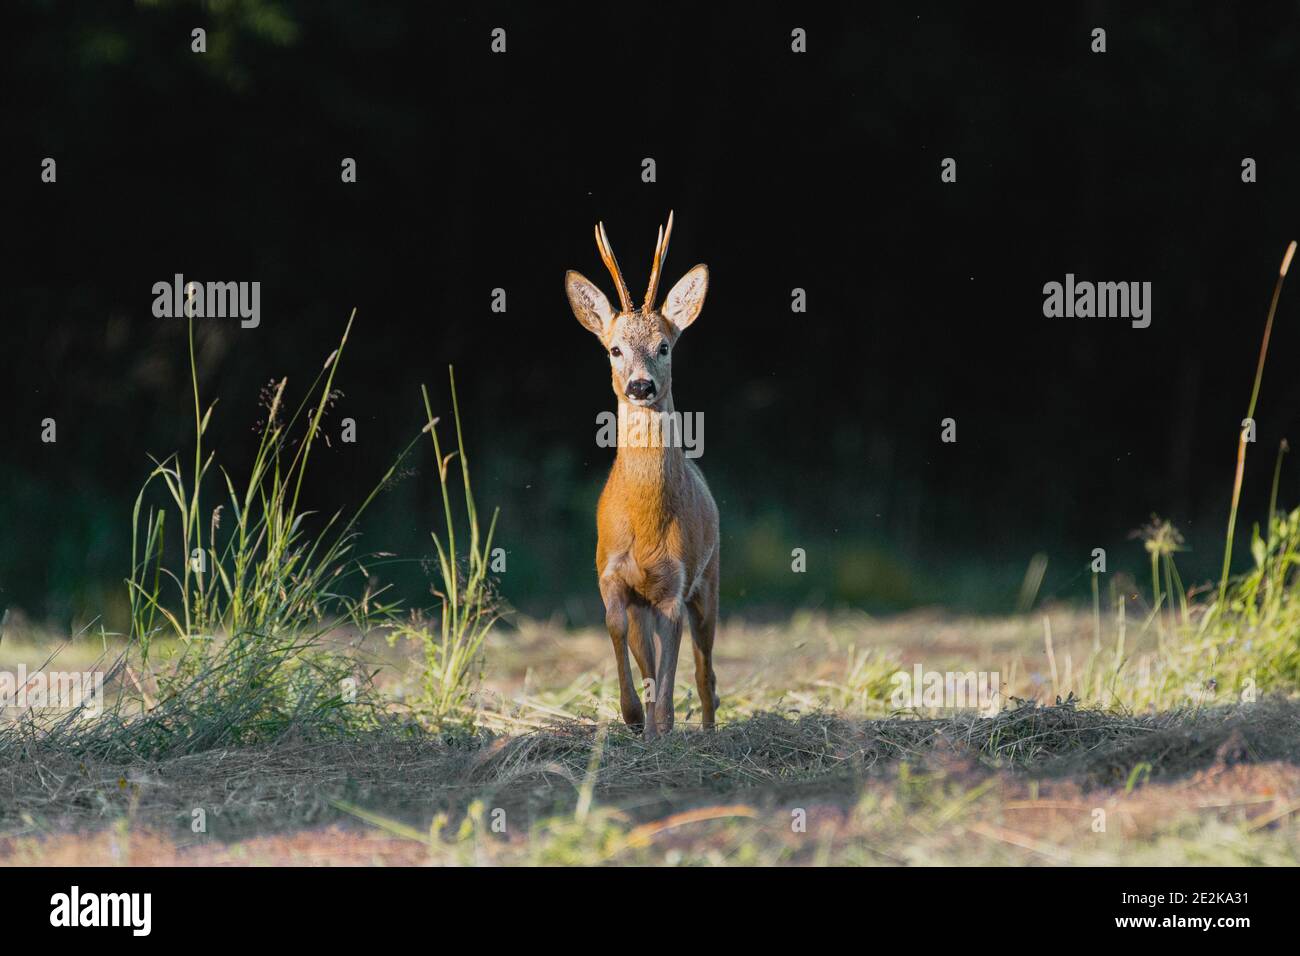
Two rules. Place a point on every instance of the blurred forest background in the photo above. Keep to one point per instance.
(818, 171)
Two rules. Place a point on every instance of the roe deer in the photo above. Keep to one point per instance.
(657, 525)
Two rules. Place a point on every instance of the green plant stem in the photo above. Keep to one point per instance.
(1250, 414)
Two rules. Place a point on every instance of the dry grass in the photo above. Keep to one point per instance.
(1024, 785)
(805, 727)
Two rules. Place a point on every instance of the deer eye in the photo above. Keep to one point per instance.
(616, 352)
(663, 348)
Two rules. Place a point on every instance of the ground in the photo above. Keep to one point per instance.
(810, 765)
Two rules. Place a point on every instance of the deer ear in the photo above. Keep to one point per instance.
(588, 303)
(686, 298)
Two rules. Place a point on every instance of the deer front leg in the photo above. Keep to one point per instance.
(616, 612)
(668, 638)
(640, 641)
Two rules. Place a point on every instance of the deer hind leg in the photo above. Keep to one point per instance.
(702, 608)
(616, 622)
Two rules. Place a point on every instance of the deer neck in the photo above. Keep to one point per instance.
(649, 444)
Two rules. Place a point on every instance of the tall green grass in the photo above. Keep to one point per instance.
(1244, 438)
(1247, 640)
(453, 654)
(247, 601)
(250, 564)
(242, 601)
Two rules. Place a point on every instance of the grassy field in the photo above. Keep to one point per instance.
(808, 766)
(270, 703)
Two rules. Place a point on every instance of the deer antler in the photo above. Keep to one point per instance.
(661, 255)
(607, 254)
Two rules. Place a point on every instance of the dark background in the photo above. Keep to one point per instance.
(818, 171)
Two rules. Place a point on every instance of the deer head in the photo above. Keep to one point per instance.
(639, 341)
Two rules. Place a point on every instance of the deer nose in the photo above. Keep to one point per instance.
(641, 389)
